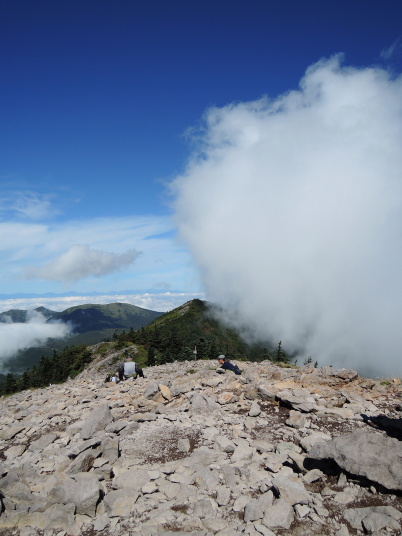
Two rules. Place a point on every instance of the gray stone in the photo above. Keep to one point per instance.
(43, 442)
(375, 521)
(101, 522)
(373, 456)
(145, 417)
(222, 495)
(203, 404)
(304, 404)
(150, 391)
(310, 440)
(265, 393)
(242, 452)
(255, 410)
(96, 422)
(133, 479)
(224, 444)
(9, 432)
(14, 452)
(279, 516)
(292, 489)
(110, 449)
(261, 529)
(253, 511)
(356, 516)
(120, 503)
(296, 419)
(81, 489)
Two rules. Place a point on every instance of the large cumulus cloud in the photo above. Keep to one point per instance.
(291, 208)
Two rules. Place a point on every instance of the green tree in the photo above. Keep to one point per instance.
(280, 354)
(10, 384)
(151, 361)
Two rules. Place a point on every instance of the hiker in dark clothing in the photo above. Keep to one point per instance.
(129, 369)
(226, 365)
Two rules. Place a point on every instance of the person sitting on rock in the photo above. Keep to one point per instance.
(226, 365)
(129, 369)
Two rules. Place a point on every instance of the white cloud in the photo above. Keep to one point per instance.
(79, 262)
(35, 332)
(292, 211)
(35, 245)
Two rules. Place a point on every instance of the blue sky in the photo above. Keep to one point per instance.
(100, 106)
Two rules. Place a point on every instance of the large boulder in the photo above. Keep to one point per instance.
(371, 455)
(82, 490)
(96, 422)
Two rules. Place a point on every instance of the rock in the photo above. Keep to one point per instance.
(316, 437)
(150, 391)
(82, 490)
(165, 391)
(132, 478)
(120, 503)
(279, 516)
(183, 445)
(43, 442)
(292, 489)
(305, 404)
(253, 511)
(255, 410)
(296, 419)
(96, 422)
(227, 398)
(167, 465)
(376, 516)
(14, 452)
(242, 452)
(345, 497)
(373, 456)
(224, 444)
(222, 495)
(374, 522)
(266, 393)
(313, 476)
(8, 433)
(261, 529)
(202, 404)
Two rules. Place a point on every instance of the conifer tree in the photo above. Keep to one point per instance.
(151, 362)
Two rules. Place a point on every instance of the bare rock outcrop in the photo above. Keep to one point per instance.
(373, 456)
(188, 451)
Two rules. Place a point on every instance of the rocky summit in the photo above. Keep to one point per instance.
(187, 450)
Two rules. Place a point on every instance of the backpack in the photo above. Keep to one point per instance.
(121, 370)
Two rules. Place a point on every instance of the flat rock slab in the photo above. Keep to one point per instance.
(373, 456)
(96, 422)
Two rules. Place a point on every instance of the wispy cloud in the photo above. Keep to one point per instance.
(80, 262)
(292, 210)
(27, 205)
(393, 50)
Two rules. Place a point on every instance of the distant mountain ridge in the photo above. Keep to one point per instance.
(91, 323)
(90, 317)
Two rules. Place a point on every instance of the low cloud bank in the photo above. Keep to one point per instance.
(35, 332)
(291, 208)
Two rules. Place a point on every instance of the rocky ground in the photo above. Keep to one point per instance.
(189, 451)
